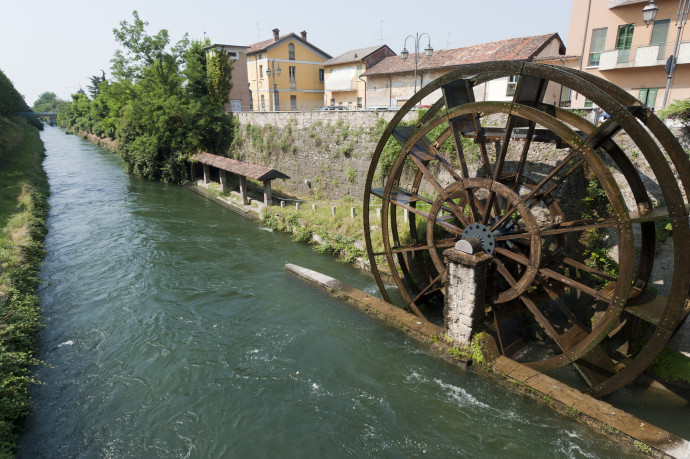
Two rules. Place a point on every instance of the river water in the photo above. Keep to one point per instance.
(172, 330)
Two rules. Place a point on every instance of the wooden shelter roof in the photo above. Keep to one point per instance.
(240, 168)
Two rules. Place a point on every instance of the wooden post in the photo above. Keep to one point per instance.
(243, 189)
(207, 174)
(333, 211)
(352, 212)
(223, 181)
(192, 174)
(267, 193)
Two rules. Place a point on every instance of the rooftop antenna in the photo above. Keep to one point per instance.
(204, 30)
(381, 31)
(258, 32)
(448, 42)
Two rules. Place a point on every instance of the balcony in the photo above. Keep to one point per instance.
(642, 56)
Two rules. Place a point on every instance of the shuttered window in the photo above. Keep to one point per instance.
(624, 42)
(596, 46)
(648, 96)
(659, 36)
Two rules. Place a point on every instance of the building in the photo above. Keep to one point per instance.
(390, 83)
(286, 73)
(344, 85)
(239, 97)
(610, 40)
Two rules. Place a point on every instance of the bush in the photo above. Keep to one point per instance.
(678, 110)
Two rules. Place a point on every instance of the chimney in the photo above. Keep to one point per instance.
(304, 35)
(276, 34)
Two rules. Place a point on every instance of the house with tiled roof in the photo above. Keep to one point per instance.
(285, 73)
(344, 85)
(238, 97)
(391, 82)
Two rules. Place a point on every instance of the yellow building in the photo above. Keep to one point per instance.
(286, 73)
(344, 84)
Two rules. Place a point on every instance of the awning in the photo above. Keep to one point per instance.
(341, 80)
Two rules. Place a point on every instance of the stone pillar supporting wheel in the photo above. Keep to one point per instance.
(465, 299)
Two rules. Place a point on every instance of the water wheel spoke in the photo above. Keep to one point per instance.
(573, 154)
(523, 155)
(583, 267)
(572, 283)
(573, 226)
(434, 285)
(443, 243)
(541, 196)
(498, 169)
(439, 189)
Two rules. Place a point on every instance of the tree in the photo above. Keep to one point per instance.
(195, 68)
(94, 89)
(219, 77)
(146, 58)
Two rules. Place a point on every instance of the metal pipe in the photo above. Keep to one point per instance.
(681, 19)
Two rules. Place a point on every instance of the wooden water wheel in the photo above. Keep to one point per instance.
(544, 191)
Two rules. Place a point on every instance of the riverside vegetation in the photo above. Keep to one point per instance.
(23, 212)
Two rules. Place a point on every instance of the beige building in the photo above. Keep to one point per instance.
(609, 39)
(285, 72)
(344, 84)
(238, 99)
(390, 83)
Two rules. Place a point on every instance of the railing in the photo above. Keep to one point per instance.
(642, 56)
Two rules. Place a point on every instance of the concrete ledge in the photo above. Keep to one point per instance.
(237, 208)
(607, 419)
(376, 307)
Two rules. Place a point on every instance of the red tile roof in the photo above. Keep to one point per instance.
(240, 168)
(524, 48)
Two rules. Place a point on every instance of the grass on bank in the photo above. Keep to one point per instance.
(23, 212)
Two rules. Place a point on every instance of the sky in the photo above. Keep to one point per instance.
(56, 46)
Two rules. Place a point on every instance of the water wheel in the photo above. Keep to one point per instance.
(564, 213)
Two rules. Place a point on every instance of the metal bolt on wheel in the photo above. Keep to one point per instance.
(569, 267)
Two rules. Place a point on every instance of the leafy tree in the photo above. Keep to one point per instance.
(146, 58)
(195, 68)
(94, 88)
(48, 102)
(219, 77)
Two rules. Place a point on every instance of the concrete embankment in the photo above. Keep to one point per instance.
(609, 420)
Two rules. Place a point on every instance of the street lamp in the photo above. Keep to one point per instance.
(274, 72)
(648, 15)
(428, 51)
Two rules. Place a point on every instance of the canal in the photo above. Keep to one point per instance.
(172, 330)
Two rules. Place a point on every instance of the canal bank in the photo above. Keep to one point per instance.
(172, 330)
(23, 212)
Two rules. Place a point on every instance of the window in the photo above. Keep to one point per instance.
(293, 78)
(291, 52)
(596, 46)
(659, 35)
(359, 70)
(648, 96)
(624, 42)
(293, 103)
(263, 103)
(349, 105)
(332, 100)
(588, 103)
(321, 76)
(512, 84)
(565, 97)
(261, 72)
(359, 103)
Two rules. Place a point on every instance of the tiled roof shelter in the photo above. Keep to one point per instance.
(241, 169)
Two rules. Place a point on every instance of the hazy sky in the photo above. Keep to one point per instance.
(57, 45)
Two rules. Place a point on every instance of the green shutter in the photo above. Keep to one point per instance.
(651, 97)
(659, 36)
(597, 46)
(624, 41)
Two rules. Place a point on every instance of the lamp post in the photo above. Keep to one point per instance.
(428, 51)
(274, 72)
(648, 15)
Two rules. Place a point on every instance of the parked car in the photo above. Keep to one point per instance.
(331, 107)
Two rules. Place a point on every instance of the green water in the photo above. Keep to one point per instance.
(172, 330)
